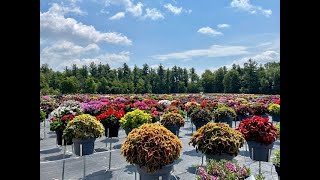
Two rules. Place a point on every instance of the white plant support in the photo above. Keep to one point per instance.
(63, 162)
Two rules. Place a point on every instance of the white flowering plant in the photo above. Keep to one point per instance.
(63, 114)
(164, 102)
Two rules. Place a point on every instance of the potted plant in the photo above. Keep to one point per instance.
(274, 111)
(260, 135)
(200, 117)
(42, 115)
(243, 111)
(153, 149)
(93, 107)
(175, 109)
(83, 129)
(276, 161)
(217, 141)
(110, 120)
(223, 170)
(134, 119)
(259, 109)
(61, 116)
(172, 121)
(224, 114)
(278, 129)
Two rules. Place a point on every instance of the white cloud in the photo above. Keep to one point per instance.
(223, 26)
(53, 25)
(62, 10)
(175, 10)
(209, 31)
(246, 6)
(212, 51)
(260, 58)
(153, 14)
(118, 16)
(134, 9)
(64, 53)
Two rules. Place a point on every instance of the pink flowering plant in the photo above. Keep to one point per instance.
(223, 170)
(93, 107)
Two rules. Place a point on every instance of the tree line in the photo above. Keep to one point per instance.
(251, 78)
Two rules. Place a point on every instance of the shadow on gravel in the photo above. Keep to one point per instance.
(244, 153)
(192, 153)
(130, 169)
(100, 175)
(49, 151)
(107, 140)
(117, 146)
(56, 157)
(192, 169)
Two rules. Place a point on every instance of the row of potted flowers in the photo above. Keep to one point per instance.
(151, 146)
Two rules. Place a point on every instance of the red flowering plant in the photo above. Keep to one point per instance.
(178, 104)
(244, 110)
(259, 108)
(258, 129)
(111, 116)
(209, 105)
(190, 106)
(175, 109)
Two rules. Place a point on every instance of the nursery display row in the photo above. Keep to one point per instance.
(224, 124)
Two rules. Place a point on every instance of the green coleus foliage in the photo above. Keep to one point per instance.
(224, 112)
(151, 146)
(42, 115)
(274, 109)
(172, 119)
(135, 119)
(83, 126)
(217, 138)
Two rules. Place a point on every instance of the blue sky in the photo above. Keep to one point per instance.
(205, 34)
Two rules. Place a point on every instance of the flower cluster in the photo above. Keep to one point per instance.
(111, 116)
(223, 170)
(93, 107)
(258, 129)
(63, 114)
(166, 103)
(175, 109)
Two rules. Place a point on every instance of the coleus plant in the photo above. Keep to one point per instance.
(151, 146)
(217, 138)
(172, 119)
(258, 129)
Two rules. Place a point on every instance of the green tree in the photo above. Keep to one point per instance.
(70, 85)
(207, 81)
(231, 82)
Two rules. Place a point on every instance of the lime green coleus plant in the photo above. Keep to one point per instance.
(135, 119)
(83, 126)
(274, 109)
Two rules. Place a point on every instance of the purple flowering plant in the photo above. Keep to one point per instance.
(223, 170)
(93, 107)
